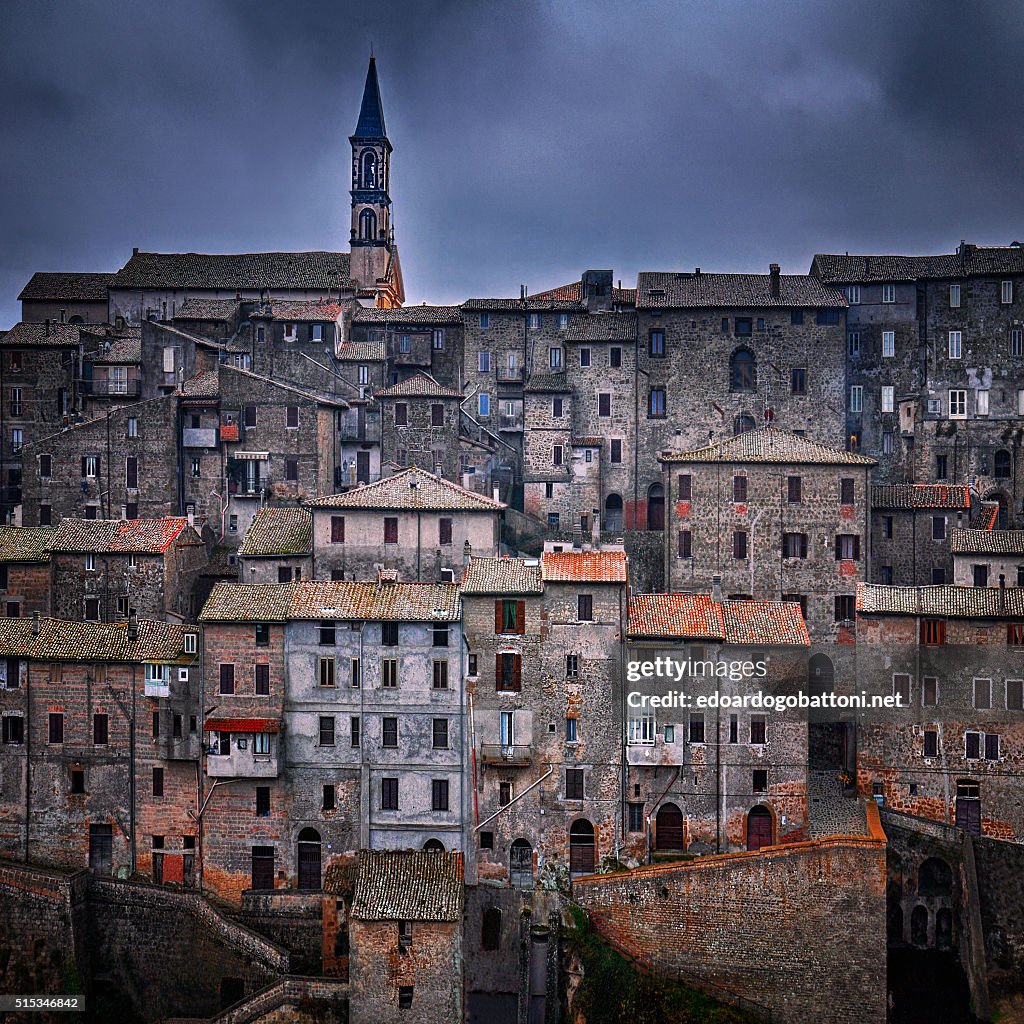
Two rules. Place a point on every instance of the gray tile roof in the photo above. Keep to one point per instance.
(770, 445)
(548, 383)
(203, 385)
(363, 352)
(418, 386)
(908, 496)
(733, 291)
(986, 542)
(118, 536)
(208, 309)
(25, 543)
(408, 885)
(946, 601)
(46, 287)
(969, 261)
(62, 640)
(117, 351)
(375, 600)
(602, 327)
(26, 334)
(415, 315)
(306, 310)
(248, 602)
(313, 271)
(430, 493)
(502, 576)
(524, 305)
(279, 531)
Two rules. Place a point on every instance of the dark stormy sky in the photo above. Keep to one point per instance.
(532, 139)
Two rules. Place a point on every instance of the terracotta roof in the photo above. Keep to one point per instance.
(969, 260)
(700, 617)
(308, 310)
(208, 309)
(574, 291)
(986, 517)
(363, 352)
(602, 327)
(986, 542)
(252, 725)
(203, 385)
(25, 543)
(920, 496)
(396, 492)
(770, 445)
(420, 385)
(408, 885)
(502, 576)
(279, 531)
(248, 602)
(309, 271)
(532, 305)
(138, 536)
(62, 640)
(409, 315)
(43, 287)
(733, 291)
(583, 566)
(947, 601)
(26, 334)
(395, 602)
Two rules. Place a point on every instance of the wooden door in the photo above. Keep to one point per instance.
(669, 828)
(309, 865)
(101, 844)
(968, 815)
(759, 829)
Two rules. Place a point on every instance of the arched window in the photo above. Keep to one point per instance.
(369, 169)
(655, 507)
(490, 930)
(613, 513)
(368, 225)
(934, 878)
(742, 370)
(944, 928)
(668, 828)
(759, 828)
(309, 859)
(919, 926)
(1002, 464)
(743, 423)
(75, 320)
(581, 848)
(433, 846)
(821, 675)
(520, 864)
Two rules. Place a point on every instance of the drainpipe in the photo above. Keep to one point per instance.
(515, 800)
(28, 745)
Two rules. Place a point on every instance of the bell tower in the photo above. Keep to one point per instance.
(374, 256)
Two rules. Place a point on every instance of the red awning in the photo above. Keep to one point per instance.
(242, 725)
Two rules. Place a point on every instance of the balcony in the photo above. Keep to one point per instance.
(516, 755)
(367, 432)
(511, 423)
(158, 688)
(241, 764)
(199, 437)
(509, 374)
(112, 388)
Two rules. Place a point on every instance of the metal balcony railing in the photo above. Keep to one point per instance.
(511, 755)
(112, 388)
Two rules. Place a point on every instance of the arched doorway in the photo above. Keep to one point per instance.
(934, 878)
(613, 513)
(759, 828)
(309, 859)
(520, 865)
(655, 507)
(668, 829)
(433, 846)
(581, 847)
(821, 675)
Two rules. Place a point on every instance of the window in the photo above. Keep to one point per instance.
(931, 743)
(901, 688)
(742, 371)
(888, 398)
(557, 455)
(794, 490)
(439, 794)
(1002, 463)
(929, 691)
(17, 439)
(794, 545)
(980, 575)
(604, 405)
(325, 671)
(656, 403)
(227, 678)
(553, 522)
(401, 414)
(1006, 292)
(504, 793)
(262, 801)
(1017, 341)
(758, 729)
(798, 380)
(509, 616)
(847, 547)
(158, 782)
(853, 343)
(846, 491)
(853, 294)
(389, 731)
(954, 296)
(888, 344)
(437, 340)
(555, 358)
(1014, 695)
(13, 729)
(326, 730)
(484, 362)
(991, 746)
(938, 527)
(92, 609)
(685, 544)
(508, 672)
(100, 729)
(261, 680)
(636, 817)
(739, 489)
(291, 469)
(327, 633)
(389, 794)
(584, 358)
(739, 544)
(640, 731)
(572, 666)
(656, 344)
(572, 729)
(249, 416)
(391, 529)
(856, 398)
(573, 783)
(955, 344)
(484, 404)
(827, 316)
(90, 563)
(440, 678)
(16, 399)
(744, 326)
(981, 401)
(972, 745)
(389, 673)
(440, 733)
(684, 487)
(437, 415)
(845, 610)
(616, 449)
(696, 728)
(888, 293)
(933, 632)
(585, 607)
(983, 693)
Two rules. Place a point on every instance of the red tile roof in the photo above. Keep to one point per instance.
(584, 566)
(241, 725)
(700, 617)
(921, 496)
(140, 536)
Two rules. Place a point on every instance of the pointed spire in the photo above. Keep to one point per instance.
(371, 113)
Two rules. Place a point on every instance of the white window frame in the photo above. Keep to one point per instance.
(1017, 341)
(888, 293)
(954, 296)
(888, 344)
(856, 398)
(534, 321)
(117, 380)
(483, 404)
(191, 643)
(956, 345)
(853, 343)
(853, 294)
(640, 731)
(483, 362)
(133, 426)
(318, 332)
(17, 439)
(981, 401)
(1005, 293)
(555, 358)
(563, 321)
(957, 404)
(291, 332)
(888, 398)
(90, 562)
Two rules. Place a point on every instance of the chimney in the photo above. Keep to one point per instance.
(47, 326)
(135, 250)
(35, 623)
(1002, 592)
(133, 628)
(62, 312)
(773, 270)
(696, 273)
(467, 553)
(716, 587)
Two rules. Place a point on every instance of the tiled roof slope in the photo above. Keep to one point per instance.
(700, 617)
(420, 385)
(308, 310)
(532, 305)
(46, 287)
(764, 622)
(363, 352)
(986, 542)
(548, 383)
(602, 327)
(250, 271)
(969, 261)
(430, 493)
(986, 516)
(770, 445)
(27, 334)
(433, 315)
(25, 543)
(920, 496)
(691, 291)
(583, 566)
(119, 351)
(248, 602)
(62, 640)
(203, 385)
(947, 601)
(279, 531)
(408, 885)
(374, 600)
(136, 536)
(574, 293)
(502, 576)
(208, 309)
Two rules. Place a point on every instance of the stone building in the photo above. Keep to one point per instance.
(987, 558)
(278, 546)
(62, 297)
(775, 515)
(415, 339)
(99, 746)
(420, 425)
(414, 522)
(362, 368)
(547, 454)
(714, 780)
(405, 937)
(952, 751)
(111, 370)
(108, 570)
(25, 570)
(911, 526)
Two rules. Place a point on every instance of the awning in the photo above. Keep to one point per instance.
(252, 725)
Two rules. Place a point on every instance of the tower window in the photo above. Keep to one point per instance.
(367, 225)
(369, 169)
